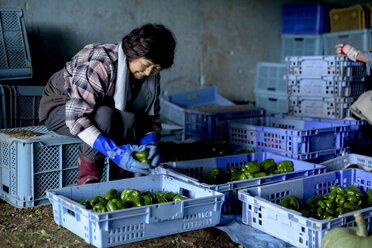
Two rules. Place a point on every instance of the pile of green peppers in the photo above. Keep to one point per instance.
(337, 202)
(128, 198)
(252, 169)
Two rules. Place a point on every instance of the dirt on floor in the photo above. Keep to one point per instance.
(35, 227)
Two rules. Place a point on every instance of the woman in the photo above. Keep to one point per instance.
(108, 96)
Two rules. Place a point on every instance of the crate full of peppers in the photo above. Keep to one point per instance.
(134, 209)
(228, 174)
(302, 211)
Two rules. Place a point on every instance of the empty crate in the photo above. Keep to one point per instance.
(173, 108)
(360, 39)
(287, 136)
(15, 58)
(301, 45)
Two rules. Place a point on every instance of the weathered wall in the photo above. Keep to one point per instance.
(219, 41)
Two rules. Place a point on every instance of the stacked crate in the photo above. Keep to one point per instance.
(324, 86)
(302, 26)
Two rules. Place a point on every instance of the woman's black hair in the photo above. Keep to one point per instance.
(151, 41)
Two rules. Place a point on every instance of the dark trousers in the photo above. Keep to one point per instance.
(115, 124)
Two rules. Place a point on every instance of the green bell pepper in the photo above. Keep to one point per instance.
(268, 165)
(169, 196)
(252, 167)
(216, 176)
(354, 191)
(291, 202)
(369, 195)
(313, 201)
(340, 200)
(337, 190)
(100, 207)
(94, 200)
(230, 173)
(111, 194)
(178, 197)
(133, 196)
(142, 156)
(260, 174)
(285, 166)
(351, 206)
(114, 204)
(161, 199)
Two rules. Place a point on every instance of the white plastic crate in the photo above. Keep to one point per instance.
(339, 163)
(15, 58)
(326, 86)
(326, 107)
(261, 207)
(317, 66)
(270, 77)
(301, 45)
(360, 39)
(30, 165)
(201, 209)
(272, 102)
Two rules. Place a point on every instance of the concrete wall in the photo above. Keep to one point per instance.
(219, 41)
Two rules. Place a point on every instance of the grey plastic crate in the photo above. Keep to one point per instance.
(30, 165)
(26, 102)
(2, 108)
(301, 45)
(270, 77)
(339, 163)
(15, 58)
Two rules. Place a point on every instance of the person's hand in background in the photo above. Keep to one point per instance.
(347, 50)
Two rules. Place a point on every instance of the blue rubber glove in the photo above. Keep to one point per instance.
(122, 156)
(149, 141)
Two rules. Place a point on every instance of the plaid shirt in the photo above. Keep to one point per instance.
(89, 77)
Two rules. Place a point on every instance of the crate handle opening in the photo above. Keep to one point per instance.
(272, 99)
(5, 188)
(299, 39)
(345, 36)
(186, 193)
(192, 96)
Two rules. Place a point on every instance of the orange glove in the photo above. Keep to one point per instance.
(347, 50)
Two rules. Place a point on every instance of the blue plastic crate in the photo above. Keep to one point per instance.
(317, 66)
(287, 136)
(201, 209)
(30, 165)
(195, 171)
(360, 130)
(212, 123)
(173, 108)
(339, 163)
(171, 132)
(304, 18)
(301, 45)
(261, 207)
(15, 58)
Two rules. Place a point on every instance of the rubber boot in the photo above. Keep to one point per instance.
(117, 173)
(89, 171)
